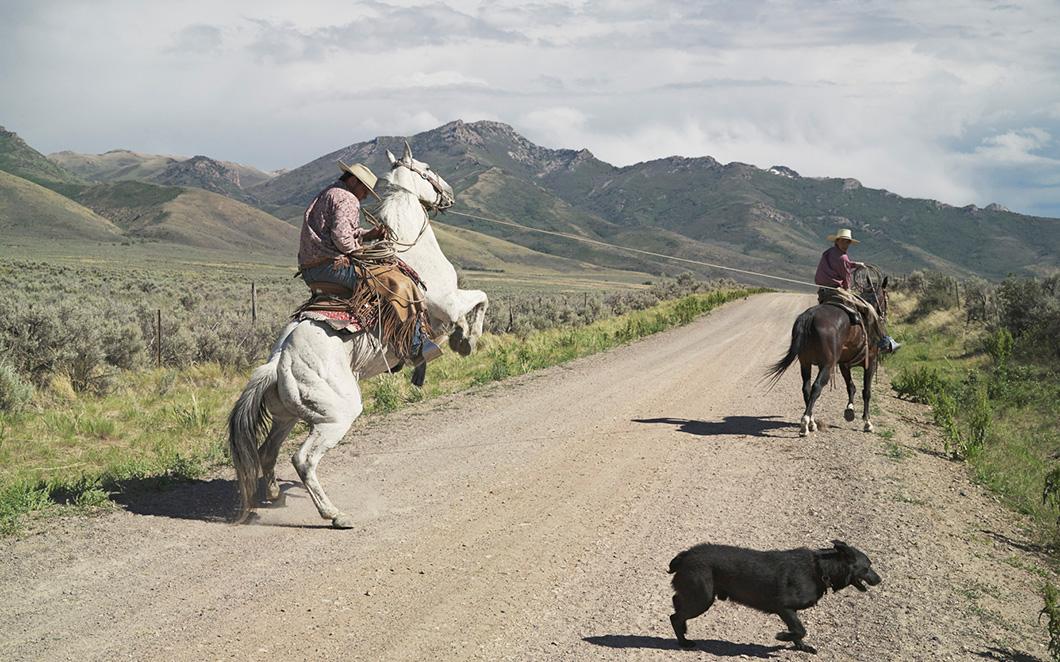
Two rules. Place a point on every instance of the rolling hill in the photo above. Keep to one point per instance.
(190, 217)
(126, 209)
(129, 204)
(21, 160)
(31, 214)
(113, 166)
(224, 177)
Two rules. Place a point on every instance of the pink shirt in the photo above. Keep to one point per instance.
(331, 226)
(835, 269)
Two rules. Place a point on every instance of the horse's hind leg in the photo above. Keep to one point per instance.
(866, 394)
(848, 413)
(322, 438)
(807, 382)
(269, 449)
(815, 392)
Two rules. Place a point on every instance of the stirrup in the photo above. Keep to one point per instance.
(888, 345)
(428, 352)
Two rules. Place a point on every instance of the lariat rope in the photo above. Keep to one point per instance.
(640, 251)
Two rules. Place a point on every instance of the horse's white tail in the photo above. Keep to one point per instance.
(247, 425)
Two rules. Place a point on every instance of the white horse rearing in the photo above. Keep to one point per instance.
(312, 372)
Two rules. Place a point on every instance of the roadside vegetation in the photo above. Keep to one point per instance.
(91, 406)
(986, 357)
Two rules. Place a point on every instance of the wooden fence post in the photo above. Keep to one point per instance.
(253, 302)
(158, 338)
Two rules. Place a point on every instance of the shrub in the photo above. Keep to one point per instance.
(1030, 310)
(1051, 610)
(15, 393)
(999, 346)
(919, 384)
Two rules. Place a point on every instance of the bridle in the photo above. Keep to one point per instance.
(442, 201)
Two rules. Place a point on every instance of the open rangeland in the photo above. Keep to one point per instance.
(534, 520)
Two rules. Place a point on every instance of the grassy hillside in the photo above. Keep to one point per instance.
(33, 215)
(115, 165)
(21, 160)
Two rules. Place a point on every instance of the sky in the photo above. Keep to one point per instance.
(956, 101)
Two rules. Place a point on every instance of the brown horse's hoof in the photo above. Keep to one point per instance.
(848, 415)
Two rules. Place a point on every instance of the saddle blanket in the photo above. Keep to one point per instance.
(340, 320)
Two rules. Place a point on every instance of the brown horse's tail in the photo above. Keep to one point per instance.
(800, 332)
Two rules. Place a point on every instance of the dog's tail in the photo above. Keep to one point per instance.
(800, 332)
(677, 562)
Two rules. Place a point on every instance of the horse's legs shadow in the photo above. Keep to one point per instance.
(214, 500)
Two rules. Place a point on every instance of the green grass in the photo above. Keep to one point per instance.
(156, 426)
(894, 450)
(1000, 417)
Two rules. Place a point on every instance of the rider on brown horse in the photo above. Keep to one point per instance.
(835, 272)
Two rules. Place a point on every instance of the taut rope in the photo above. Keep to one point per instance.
(640, 251)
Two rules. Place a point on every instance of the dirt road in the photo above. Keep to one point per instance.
(534, 520)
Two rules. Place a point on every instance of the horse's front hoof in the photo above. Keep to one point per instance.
(270, 491)
(804, 432)
(868, 427)
(813, 426)
(342, 521)
(849, 414)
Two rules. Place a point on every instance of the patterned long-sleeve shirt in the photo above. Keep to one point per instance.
(331, 227)
(835, 269)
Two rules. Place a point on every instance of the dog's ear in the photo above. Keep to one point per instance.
(843, 547)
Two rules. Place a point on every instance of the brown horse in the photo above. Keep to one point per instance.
(824, 336)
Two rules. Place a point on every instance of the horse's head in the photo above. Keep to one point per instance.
(418, 178)
(459, 312)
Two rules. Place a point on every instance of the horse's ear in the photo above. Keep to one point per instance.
(408, 152)
(884, 286)
(393, 159)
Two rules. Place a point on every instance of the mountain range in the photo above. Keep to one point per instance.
(767, 220)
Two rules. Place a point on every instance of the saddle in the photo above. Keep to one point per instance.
(388, 299)
(853, 314)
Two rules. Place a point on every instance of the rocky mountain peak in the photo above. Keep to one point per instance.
(202, 172)
(784, 171)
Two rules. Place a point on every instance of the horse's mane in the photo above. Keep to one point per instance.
(396, 207)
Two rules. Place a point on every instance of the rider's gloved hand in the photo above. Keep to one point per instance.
(378, 232)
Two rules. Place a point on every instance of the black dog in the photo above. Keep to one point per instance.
(777, 582)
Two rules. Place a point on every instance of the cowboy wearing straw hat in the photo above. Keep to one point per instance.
(835, 272)
(331, 227)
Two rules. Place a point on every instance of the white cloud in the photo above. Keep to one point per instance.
(952, 100)
(1016, 146)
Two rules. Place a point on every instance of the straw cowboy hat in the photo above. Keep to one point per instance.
(363, 175)
(843, 233)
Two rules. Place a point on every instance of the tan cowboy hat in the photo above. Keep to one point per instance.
(843, 233)
(363, 174)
